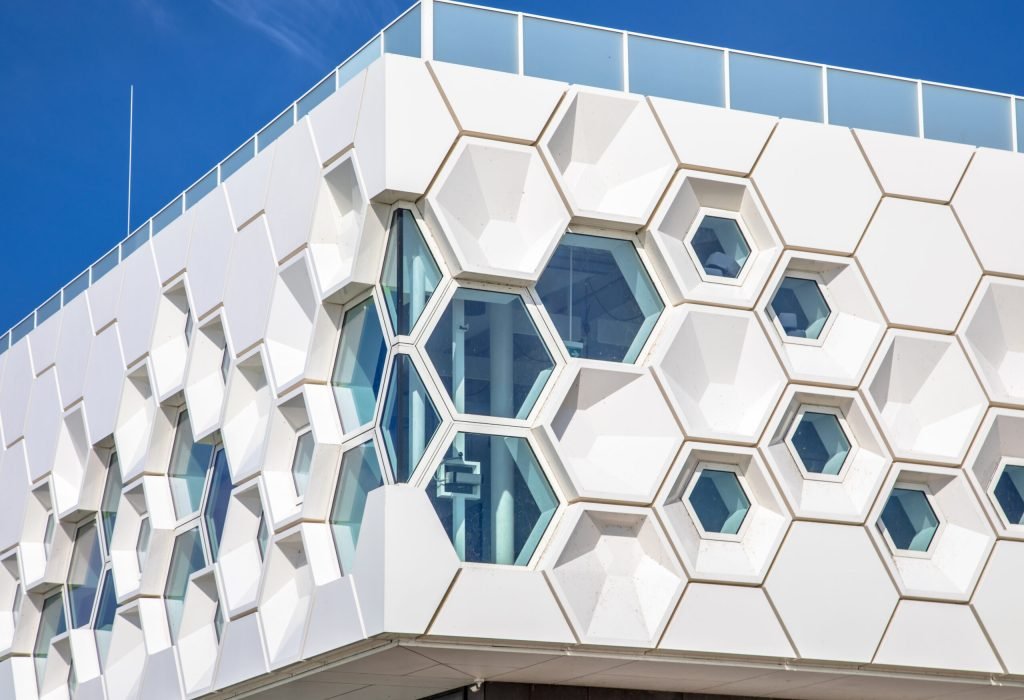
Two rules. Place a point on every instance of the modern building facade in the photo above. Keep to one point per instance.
(522, 359)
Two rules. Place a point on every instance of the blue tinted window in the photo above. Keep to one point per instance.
(217, 501)
(571, 53)
(820, 443)
(190, 461)
(963, 116)
(474, 36)
(410, 419)
(360, 473)
(719, 501)
(872, 102)
(909, 520)
(359, 61)
(1009, 493)
(410, 273)
(775, 87)
(323, 90)
(676, 71)
(186, 558)
(359, 365)
(84, 577)
(105, 614)
(800, 308)
(403, 37)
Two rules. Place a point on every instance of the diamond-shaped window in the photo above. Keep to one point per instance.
(800, 308)
(410, 418)
(909, 520)
(718, 500)
(410, 273)
(720, 247)
(359, 365)
(1009, 493)
(360, 473)
(820, 442)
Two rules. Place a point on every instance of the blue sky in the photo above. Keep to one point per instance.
(208, 73)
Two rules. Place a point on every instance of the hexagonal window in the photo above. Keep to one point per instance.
(718, 500)
(489, 355)
(215, 510)
(187, 557)
(302, 461)
(410, 273)
(190, 463)
(111, 498)
(359, 365)
(105, 612)
(908, 520)
(799, 308)
(410, 418)
(263, 536)
(52, 623)
(720, 247)
(1009, 493)
(492, 498)
(360, 473)
(142, 543)
(84, 576)
(819, 441)
(600, 297)
(48, 533)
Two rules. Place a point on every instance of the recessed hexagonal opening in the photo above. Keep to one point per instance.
(187, 557)
(172, 336)
(247, 416)
(142, 542)
(190, 463)
(360, 473)
(218, 496)
(290, 324)
(359, 365)
(106, 611)
(410, 273)
(908, 520)
(720, 246)
(600, 298)
(111, 498)
(799, 308)
(718, 499)
(84, 576)
(52, 623)
(489, 355)
(302, 460)
(409, 420)
(1009, 493)
(473, 491)
(207, 376)
(819, 440)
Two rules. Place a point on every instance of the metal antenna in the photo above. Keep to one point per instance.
(131, 123)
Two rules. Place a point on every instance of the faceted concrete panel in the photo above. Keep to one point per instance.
(907, 166)
(246, 189)
(207, 376)
(103, 380)
(995, 603)
(103, 296)
(926, 396)
(600, 418)
(78, 469)
(726, 620)
(293, 309)
(994, 339)
(615, 573)
(828, 578)
(711, 138)
(249, 286)
(500, 210)
(241, 652)
(208, 254)
(997, 452)
(15, 390)
(333, 121)
(42, 343)
(988, 205)
(915, 251)
(171, 245)
(172, 336)
(817, 186)
(285, 597)
(609, 156)
(292, 191)
(73, 348)
(41, 424)
(137, 304)
(718, 371)
(498, 105)
(14, 477)
(939, 636)
(246, 416)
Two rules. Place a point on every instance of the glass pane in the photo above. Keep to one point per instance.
(800, 308)
(474, 36)
(202, 188)
(272, 131)
(872, 102)
(104, 265)
(1019, 110)
(166, 215)
(111, 498)
(84, 577)
(48, 533)
(360, 473)
(820, 443)
(1009, 493)
(302, 461)
(720, 247)
(492, 498)
(262, 535)
(771, 86)
(359, 366)
(237, 159)
(76, 287)
(186, 559)
(410, 419)
(489, 355)
(23, 328)
(190, 461)
(359, 61)
(963, 116)
(410, 273)
(142, 546)
(676, 71)
(600, 297)
(719, 501)
(323, 90)
(217, 501)
(105, 615)
(48, 308)
(403, 37)
(909, 520)
(51, 624)
(571, 53)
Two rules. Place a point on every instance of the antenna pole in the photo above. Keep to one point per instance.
(131, 123)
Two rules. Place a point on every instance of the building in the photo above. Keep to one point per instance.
(523, 352)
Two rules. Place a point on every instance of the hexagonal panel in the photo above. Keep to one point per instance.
(246, 415)
(995, 602)
(359, 365)
(810, 174)
(739, 381)
(601, 417)
(511, 221)
(207, 376)
(993, 338)
(615, 574)
(914, 251)
(609, 155)
(290, 327)
(477, 479)
(985, 202)
(912, 167)
(723, 513)
(292, 192)
(995, 466)
(187, 558)
(210, 251)
(926, 397)
(409, 420)
(712, 240)
(250, 286)
(410, 273)
(936, 635)
(600, 297)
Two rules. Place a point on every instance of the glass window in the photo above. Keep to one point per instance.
(199, 190)
(572, 53)
(873, 102)
(360, 473)
(48, 533)
(18, 598)
(800, 308)
(190, 325)
(272, 131)
(909, 520)
(820, 443)
(84, 576)
(965, 116)
(186, 559)
(217, 501)
(410, 273)
(410, 418)
(475, 36)
(403, 37)
(218, 621)
(1019, 113)
(236, 160)
(142, 545)
(600, 297)
(488, 353)
(720, 247)
(492, 498)
(225, 364)
(676, 71)
(323, 90)
(52, 623)
(111, 498)
(719, 501)
(776, 87)
(105, 613)
(190, 462)
(359, 365)
(1009, 493)
(302, 461)
(359, 61)
(262, 536)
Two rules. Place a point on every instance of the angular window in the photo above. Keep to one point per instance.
(190, 462)
(48, 533)
(1009, 493)
(720, 247)
(262, 536)
(600, 297)
(492, 498)
(218, 621)
(225, 364)
(719, 502)
(489, 355)
(19, 595)
(359, 365)
(111, 498)
(410, 273)
(105, 613)
(142, 545)
(820, 442)
(410, 419)
(302, 461)
(186, 559)
(800, 308)
(189, 326)
(909, 520)
(360, 473)
(52, 623)
(217, 500)
(84, 577)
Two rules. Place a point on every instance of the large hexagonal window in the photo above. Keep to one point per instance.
(718, 500)
(909, 520)
(52, 623)
(190, 464)
(493, 498)
(600, 297)
(84, 576)
(187, 557)
(1009, 493)
(410, 418)
(360, 473)
(105, 612)
(819, 441)
(489, 355)
(720, 246)
(799, 308)
(111, 498)
(359, 365)
(215, 510)
(410, 273)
